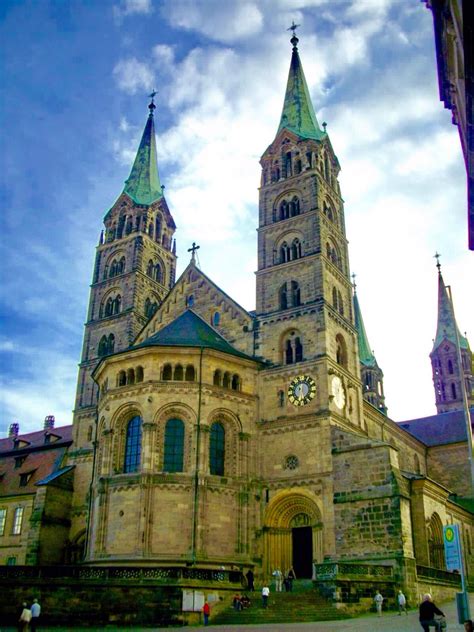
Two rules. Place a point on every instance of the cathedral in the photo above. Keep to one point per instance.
(210, 438)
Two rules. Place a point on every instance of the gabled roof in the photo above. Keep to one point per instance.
(143, 184)
(446, 327)
(298, 113)
(366, 356)
(36, 439)
(442, 429)
(190, 330)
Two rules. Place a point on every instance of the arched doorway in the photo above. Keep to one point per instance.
(435, 542)
(292, 533)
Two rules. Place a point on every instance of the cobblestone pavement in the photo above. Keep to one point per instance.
(389, 622)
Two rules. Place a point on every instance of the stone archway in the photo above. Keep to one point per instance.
(292, 533)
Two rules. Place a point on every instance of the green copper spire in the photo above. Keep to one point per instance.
(366, 356)
(298, 114)
(143, 184)
(446, 329)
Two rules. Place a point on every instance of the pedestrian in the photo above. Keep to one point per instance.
(25, 618)
(250, 579)
(468, 626)
(265, 594)
(428, 610)
(278, 575)
(402, 603)
(378, 600)
(206, 611)
(35, 615)
(290, 577)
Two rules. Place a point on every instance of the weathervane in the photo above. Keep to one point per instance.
(294, 40)
(152, 105)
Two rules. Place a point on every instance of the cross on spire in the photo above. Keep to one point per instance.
(354, 285)
(438, 265)
(293, 27)
(193, 251)
(294, 40)
(152, 105)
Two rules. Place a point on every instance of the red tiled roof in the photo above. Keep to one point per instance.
(40, 458)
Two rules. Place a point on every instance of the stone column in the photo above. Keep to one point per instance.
(147, 447)
(105, 467)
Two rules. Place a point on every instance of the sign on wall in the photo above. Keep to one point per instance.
(452, 548)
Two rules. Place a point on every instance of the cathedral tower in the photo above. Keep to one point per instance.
(304, 296)
(134, 270)
(447, 374)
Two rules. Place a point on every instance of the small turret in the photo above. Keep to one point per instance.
(371, 373)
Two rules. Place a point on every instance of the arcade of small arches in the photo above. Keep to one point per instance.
(130, 376)
(333, 254)
(227, 380)
(154, 271)
(292, 347)
(337, 301)
(289, 251)
(330, 213)
(140, 223)
(289, 295)
(178, 373)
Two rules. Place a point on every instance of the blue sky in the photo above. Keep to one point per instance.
(76, 75)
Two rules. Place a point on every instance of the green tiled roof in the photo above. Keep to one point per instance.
(190, 330)
(143, 184)
(446, 329)
(298, 114)
(366, 356)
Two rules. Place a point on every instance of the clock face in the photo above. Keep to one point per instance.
(338, 392)
(302, 389)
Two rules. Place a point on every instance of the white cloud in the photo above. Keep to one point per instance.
(132, 7)
(221, 21)
(132, 75)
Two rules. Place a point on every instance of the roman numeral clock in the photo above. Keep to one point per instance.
(301, 390)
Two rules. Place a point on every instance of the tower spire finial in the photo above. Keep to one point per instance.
(152, 105)
(438, 265)
(192, 250)
(294, 40)
(354, 284)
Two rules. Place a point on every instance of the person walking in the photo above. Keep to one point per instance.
(35, 615)
(378, 600)
(206, 611)
(265, 595)
(250, 579)
(290, 577)
(427, 611)
(278, 575)
(402, 603)
(25, 618)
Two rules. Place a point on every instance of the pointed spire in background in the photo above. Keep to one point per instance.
(446, 327)
(298, 113)
(143, 184)
(366, 355)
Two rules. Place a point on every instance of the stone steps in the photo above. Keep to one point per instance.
(290, 607)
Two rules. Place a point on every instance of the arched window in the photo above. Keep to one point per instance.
(109, 307)
(235, 384)
(217, 449)
(149, 269)
(450, 367)
(281, 398)
(284, 253)
(139, 374)
(130, 376)
(117, 304)
(294, 207)
(340, 303)
(289, 356)
(190, 300)
(167, 372)
(150, 231)
(89, 433)
(121, 378)
(113, 269)
(216, 319)
(453, 390)
(292, 348)
(334, 298)
(174, 446)
(103, 346)
(295, 294)
(158, 228)
(298, 350)
(178, 373)
(283, 297)
(189, 374)
(298, 166)
(226, 380)
(217, 381)
(296, 249)
(341, 351)
(110, 343)
(133, 445)
(284, 210)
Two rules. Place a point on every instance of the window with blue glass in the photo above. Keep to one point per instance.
(174, 446)
(217, 449)
(133, 445)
